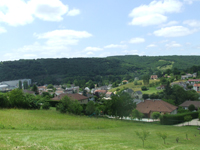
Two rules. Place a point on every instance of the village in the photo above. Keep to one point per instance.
(145, 103)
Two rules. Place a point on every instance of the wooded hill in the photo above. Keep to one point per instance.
(63, 70)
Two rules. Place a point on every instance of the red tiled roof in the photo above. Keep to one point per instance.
(198, 80)
(124, 81)
(198, 85)
(155, 106)
(188, 103)
(72, 96)
(100, 91)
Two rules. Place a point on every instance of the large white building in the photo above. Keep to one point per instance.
(13, 83)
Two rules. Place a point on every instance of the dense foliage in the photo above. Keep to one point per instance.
(168, 119)
(100, 70)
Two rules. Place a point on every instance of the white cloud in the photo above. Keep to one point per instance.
(2, 30)
(154, 13)
(173, 44)
(151, 45)
(20, 12)
(115, 46)
(48, 10)
(137, 40)
(63, 37)
(56, 45)
(192, 23)
(73, 12)
(15, 12)
(93, 49)
(174, 31)
(190, 1)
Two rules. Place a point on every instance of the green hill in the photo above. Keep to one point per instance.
(62, 70)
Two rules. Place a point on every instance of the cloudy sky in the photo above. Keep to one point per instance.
(31, 29)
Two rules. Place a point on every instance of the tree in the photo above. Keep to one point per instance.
(84, 92)
(35, 89)
(188, 118)
(137, 114)
(25, 85)
(20, 84)
(142, 135)
(50, 86)
(191, 107)
(155, 115)
(145, 96)
(121, 105)
(162, 135)
(145, 79)
(90, 108)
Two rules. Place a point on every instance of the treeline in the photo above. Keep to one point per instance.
(99, 70)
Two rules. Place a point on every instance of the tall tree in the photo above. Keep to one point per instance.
(20, 84)
(25, 85)
(121, 105)
(145, 79)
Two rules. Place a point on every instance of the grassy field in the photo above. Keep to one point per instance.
(50, 130)
(138, 87)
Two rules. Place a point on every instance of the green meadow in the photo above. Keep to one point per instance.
(138, 87)
(51, 130)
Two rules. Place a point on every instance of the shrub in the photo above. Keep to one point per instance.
(145, 96)
(46, 105)
(168, 119)
(191, 107)
(144, 88)
(155, 115)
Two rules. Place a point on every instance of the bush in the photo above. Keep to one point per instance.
(155, 115)
(191, 107)
(168, 119)
(46, 105)
(144, 88)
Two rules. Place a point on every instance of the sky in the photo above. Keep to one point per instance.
(33, 29)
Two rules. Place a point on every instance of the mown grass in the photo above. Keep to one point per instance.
(61, 131)
(138, 87)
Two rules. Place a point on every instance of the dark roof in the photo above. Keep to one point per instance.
(28, 91)
(138, 92)
(188, 103)
(72, 96)
(100, 91)
(155, 106)
(129, 91)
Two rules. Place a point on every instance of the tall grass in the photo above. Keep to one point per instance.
(51, 130)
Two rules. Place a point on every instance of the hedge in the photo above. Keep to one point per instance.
(168, 119)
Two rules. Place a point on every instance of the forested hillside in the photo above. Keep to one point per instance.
(113, 68)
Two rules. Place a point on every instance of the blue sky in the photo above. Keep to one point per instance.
(31, 29)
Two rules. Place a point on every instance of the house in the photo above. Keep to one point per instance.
(100, 93)
(136, 79)
(186, 104)
(147, 107)
(161, 87)
(154, 77)
(182, 84)
(91, 97)
(138, 94)
(29, 92)
(193, 81)
(42, 89)
(196, 87)
(81, 99)
(130, 92)
(188, 75)
(59, 91)
(108, 95)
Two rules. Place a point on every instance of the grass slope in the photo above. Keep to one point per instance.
(138, 87)
(41, 129)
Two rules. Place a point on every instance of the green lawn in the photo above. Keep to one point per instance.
(138, 87)
(48, 129)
